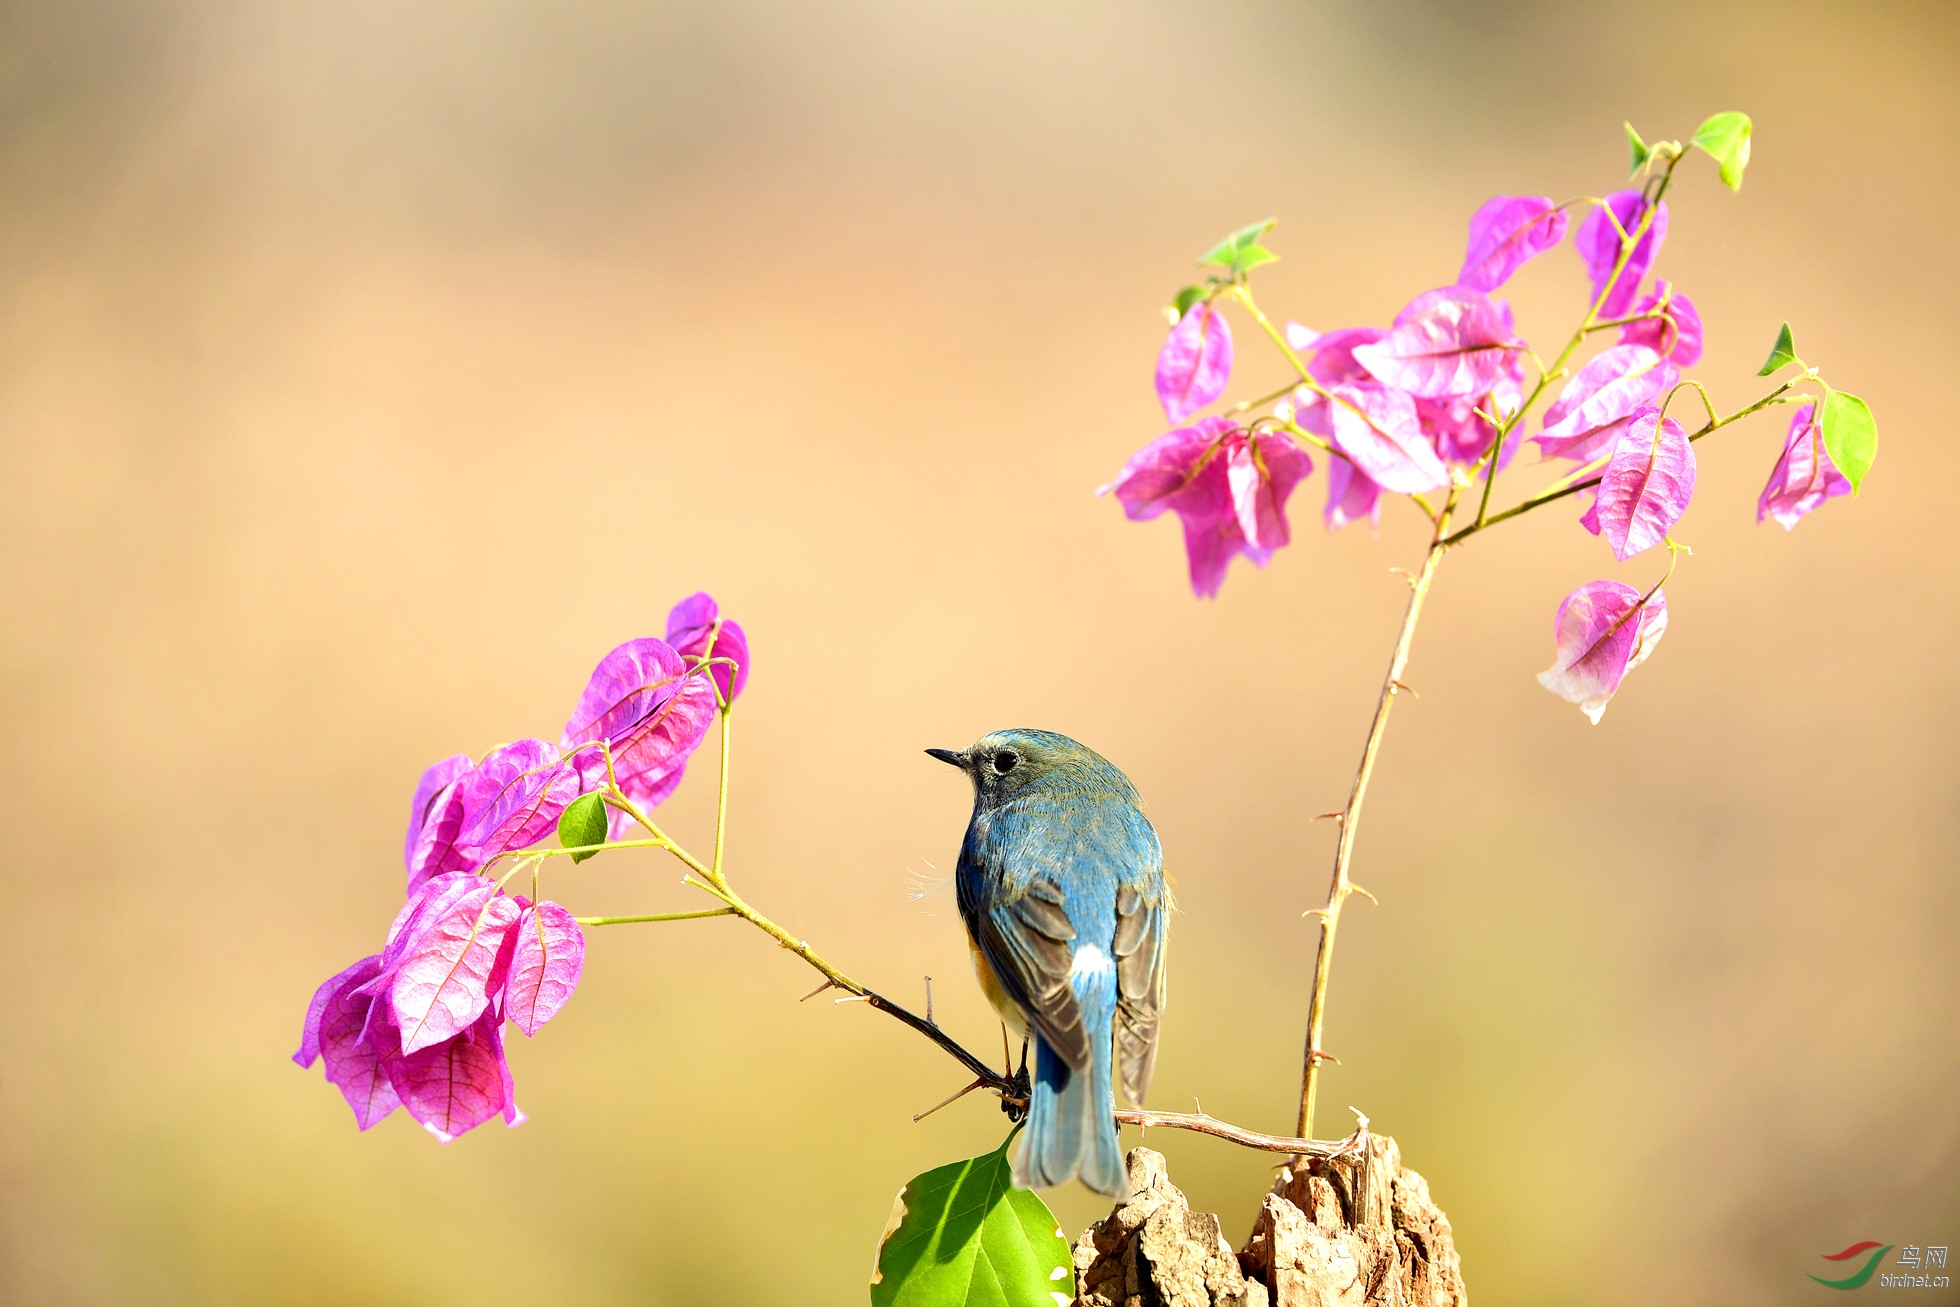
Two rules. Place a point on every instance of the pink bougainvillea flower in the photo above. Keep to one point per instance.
(1647, 484)
(652, 707)
(1377, 427)
(545, 965)
(1228, 490)
(1506, 233)
(458, 1084)
(512, 799)
(335, 1023)
(1445, 342)
(1804, 475)
(1676, 333)
(1195, 363)
(696, 630)
(435, 817)
(1599, 244)
(1333, 362)
(1262, 470)
(1299, 337)
(1602, 632)
(1351, 496)
(450, 962)
(1610, 388)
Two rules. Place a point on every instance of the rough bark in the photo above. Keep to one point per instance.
(1357, 1231)
(1154, 1251)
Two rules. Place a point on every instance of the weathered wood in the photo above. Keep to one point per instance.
(1352, 1231)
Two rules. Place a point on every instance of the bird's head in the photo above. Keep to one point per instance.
(1007, 763)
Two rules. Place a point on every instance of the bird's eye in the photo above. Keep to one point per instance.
(1005, 761)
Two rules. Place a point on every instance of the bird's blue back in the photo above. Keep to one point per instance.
(1061, 885)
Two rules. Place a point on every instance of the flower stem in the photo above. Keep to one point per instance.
(1350, 817)
(657, 916)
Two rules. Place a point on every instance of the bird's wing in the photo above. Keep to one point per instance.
(1140, 977)
(1026, 941)
(1142, 932)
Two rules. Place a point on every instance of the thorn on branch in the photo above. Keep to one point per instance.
(956, 1097)
(1356, 889)
(828, 984)
(929, 1020)
(1330, 816)
(1320, 1056)
(1400, 686)
(853, 998)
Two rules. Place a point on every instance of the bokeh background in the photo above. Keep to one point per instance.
(368, 370)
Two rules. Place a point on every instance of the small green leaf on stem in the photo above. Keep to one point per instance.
(1241, 251)
(1640, 151)
(1186, 298)
(963, 1234)
(1850, 435)
(1782, 354)
(582, 822)
(1725, 138)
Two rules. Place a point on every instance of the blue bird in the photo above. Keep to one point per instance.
(1061, 886)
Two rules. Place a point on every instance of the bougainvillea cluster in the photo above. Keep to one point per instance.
(419, 1025)
(1416, 407)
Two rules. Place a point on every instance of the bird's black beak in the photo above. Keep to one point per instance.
(954, 756)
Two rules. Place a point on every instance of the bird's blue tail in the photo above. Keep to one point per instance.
(1071, 1131)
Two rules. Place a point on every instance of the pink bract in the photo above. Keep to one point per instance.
(1505, 233)
(1377, 427)
(435, 818)
(1351, 496)
(1611, 387)
(1445, 342)
(1195, 363)
(1676, 333)
(1600, 637)
(1647, 484)
(1804, 476)
(459, 1084)
(1599, 244)
(693, 632)
(652, 707)
(512, 799)
(334, 1026)
(1262, 471)
(545, 965)
(446, 973)
(1333, 362)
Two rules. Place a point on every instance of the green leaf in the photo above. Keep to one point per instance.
(963, 1234)
(1186, 298)
(1226, 253)
(1725, 137)
(1850, 435)
(1640, 151)
(582, 822)
(1251, 257)
(1782, 354)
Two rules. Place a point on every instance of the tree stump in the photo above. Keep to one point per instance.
(1353, 1231)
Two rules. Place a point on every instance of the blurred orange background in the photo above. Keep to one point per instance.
(370, 370)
